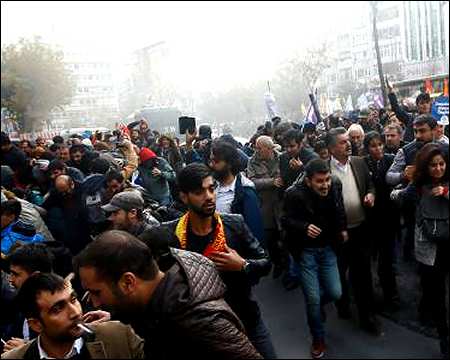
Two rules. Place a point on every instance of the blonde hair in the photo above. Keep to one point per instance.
(355, 127)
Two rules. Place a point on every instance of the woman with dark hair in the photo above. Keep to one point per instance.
(385, 217)
(429, 189)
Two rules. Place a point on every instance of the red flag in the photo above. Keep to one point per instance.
(123, 129)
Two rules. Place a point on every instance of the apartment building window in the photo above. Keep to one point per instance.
(388, 14)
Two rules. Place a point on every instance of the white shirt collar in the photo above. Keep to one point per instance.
(227, 188)
(339, 165)
(76, 349)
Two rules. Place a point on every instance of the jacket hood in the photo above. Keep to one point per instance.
(192, 280)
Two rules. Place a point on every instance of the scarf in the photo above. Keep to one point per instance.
(216, 245)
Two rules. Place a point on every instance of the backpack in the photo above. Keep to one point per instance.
(434, 216)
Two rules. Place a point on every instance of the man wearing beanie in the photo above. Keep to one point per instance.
(155, 173)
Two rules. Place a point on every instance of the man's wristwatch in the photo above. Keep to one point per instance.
(245, 266)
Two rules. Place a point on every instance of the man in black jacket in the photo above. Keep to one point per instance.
(423, 103)
(180, 313)
(315, 219)
(292, 164)
(295, 158)
(16, 159)
(226, 240)
(67, 215)
(81, 158)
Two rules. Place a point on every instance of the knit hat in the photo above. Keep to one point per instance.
(146, 154)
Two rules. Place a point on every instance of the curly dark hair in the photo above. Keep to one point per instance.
(423, 159)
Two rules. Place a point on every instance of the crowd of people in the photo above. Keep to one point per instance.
(165, 241)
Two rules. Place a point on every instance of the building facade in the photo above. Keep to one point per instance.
(95, 100)
(413, 42)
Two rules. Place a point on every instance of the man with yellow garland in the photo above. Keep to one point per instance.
(227, 241)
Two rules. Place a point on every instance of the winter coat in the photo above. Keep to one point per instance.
(68, 219)
(19, 232)
(289, 175)
(302, 207)
(187, 316)
(263, 173)
(157, 186)
(425, 249)
(246, 203)
(239, 284)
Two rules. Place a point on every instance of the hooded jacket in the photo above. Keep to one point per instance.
(157, 186)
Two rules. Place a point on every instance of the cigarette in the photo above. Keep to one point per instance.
(86, 294)
(3, 342)
(85, 328)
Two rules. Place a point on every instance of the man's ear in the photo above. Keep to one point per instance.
(184, 197)
(132, 214)
(308, 181)
(35, 325)
(128, 283)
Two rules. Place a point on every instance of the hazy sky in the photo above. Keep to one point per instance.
(214, 44)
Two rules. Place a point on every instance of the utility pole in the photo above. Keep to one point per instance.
(374, 7)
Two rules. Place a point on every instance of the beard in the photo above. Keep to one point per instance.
(221, 175)
(203, 211)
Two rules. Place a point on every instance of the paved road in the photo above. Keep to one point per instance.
(284, 314)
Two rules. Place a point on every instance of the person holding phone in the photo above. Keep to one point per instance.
(198, 147)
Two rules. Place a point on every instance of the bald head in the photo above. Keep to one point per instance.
(264, 147)
(265, 141)
(64, 184)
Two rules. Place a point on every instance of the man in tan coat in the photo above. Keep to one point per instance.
(53, 311)
(264, 170)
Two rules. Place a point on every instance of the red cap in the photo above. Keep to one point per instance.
(146, 154)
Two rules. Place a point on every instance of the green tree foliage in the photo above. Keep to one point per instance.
(34, 81)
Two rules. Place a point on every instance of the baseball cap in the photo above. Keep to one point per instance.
(126, 200)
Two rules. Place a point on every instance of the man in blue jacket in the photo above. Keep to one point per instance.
(15, 230)
(235, 194)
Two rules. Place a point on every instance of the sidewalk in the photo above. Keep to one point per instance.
(410, 292)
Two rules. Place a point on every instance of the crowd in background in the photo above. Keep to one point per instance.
(170, 236)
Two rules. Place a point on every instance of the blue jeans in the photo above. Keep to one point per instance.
(321, 284)
(293, 271)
